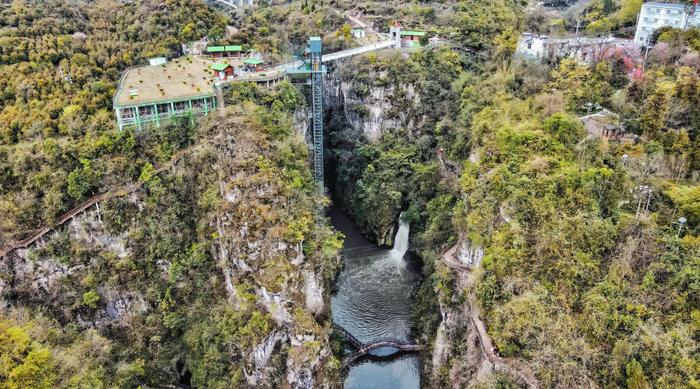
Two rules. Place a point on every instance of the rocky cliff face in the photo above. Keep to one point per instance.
(458, 356)
(224, 240)
(39, 275)
(463, 353)
(370, 104)
(256, 243)
(365, 101)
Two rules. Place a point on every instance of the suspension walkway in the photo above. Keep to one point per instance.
(358, 50)
(362, 349)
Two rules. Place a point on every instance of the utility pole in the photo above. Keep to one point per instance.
(639, 203)
(646, 208)
(644, 197)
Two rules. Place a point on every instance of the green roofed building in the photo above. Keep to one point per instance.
(253, 61)
(225, 51)
(222, 70)
(254, 64)
(413, 33)
(220, 66)
(411, 38)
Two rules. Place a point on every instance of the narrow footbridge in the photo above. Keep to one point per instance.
(363, 349)
(281, 70)
(358, 50)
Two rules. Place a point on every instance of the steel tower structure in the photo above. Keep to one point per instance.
(311, 64)
(316, 76)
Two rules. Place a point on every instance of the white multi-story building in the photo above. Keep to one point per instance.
(657, 15)
(583, 49)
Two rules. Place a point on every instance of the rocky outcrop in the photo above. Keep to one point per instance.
(469, 254)
(40, 275)
(253, 246)
(313, 292)
(261, 358)
(372, 108)
(441, 347)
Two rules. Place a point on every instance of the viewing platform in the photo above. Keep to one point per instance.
(162, 90)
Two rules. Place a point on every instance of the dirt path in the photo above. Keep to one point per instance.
(511, 366)
(118, 192)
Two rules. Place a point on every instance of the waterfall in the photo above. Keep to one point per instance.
(401, 240)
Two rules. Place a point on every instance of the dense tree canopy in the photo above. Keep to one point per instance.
(588, 277)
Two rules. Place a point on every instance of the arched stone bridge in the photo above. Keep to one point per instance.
(363, 349)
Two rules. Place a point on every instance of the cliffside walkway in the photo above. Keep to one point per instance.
(365, 348)
(448, 258)
(118, 192)
(511, 366)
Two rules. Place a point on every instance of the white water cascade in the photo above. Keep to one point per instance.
(401, 240)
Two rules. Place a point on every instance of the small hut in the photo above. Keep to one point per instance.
(412, 38)
(222, 70)
(253, 64)
(234, 51)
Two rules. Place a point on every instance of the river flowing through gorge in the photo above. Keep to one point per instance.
(373, 301)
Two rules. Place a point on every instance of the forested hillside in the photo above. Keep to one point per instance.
(194, 279)
(587, 275)
(59, 64)
(574, 254)
(213, 262)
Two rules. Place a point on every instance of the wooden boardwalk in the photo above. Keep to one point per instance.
(118, 192)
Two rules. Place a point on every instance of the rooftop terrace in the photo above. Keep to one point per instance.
(180, 79)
